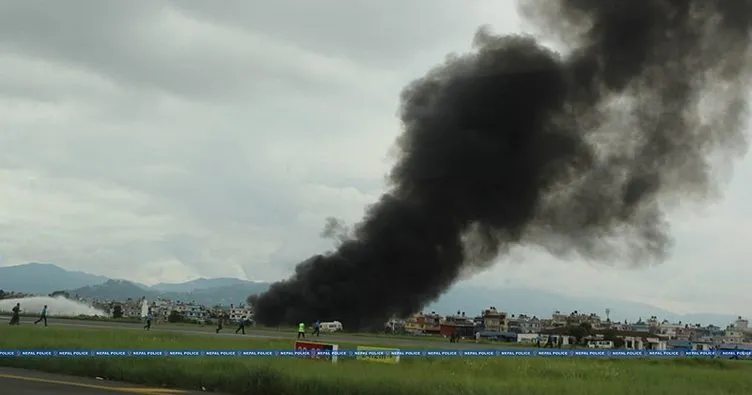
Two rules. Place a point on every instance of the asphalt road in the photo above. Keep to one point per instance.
(229, 331)
(26, 382)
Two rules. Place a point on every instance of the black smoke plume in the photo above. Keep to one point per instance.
(515, 144)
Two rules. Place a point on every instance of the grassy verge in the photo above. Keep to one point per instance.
(412, 376)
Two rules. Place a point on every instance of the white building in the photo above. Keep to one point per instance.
(670, 330)
(741, 325)
(732, 335)
(240, 313)
(644, 343)
(194, 312)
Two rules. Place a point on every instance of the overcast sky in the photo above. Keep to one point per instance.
(166, 140)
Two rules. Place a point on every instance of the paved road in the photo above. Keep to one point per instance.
(26, 382)
(257, 333)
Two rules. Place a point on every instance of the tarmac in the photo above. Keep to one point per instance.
(252, 332)
(27, 382)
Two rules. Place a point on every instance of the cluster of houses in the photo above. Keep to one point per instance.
(576, 327)
(163, 309)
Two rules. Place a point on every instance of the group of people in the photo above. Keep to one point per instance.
(241, 326)
(302, 329)
(15, 318)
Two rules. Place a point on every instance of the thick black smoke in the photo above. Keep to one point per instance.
(513, 143)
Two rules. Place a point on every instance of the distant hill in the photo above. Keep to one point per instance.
(44, 278)
(199, 284)
(221, 295)
(224, 295)
(113, 290)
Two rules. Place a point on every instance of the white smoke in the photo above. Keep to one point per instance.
(57, 306)
(144, 309)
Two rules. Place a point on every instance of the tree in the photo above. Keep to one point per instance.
(174, 316)
(117, 311)
(610, 335)
(581, 331)
(60, 293)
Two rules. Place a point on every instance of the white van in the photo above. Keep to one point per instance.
(334, 326)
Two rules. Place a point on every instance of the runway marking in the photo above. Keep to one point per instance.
(130, 390)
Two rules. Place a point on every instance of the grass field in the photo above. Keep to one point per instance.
(412, 376)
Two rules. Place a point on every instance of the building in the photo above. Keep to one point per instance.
(669, 329)
(432, 324)
(742, 325)
(524, 324)
(192, 312)
(732, 336)
(421, 323)
(478, 321)
(494, 320)
(686, 345)
(415, 323)
(458, 325)
(643, 341)
(161, 309)
(640, 326)
(241, 313)
(532, 338)
(558, 320)
(577, 318)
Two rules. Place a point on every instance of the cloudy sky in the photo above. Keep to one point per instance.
(166, 140)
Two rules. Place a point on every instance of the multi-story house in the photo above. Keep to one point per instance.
(577, 318)
(432, 323)
(732, 335)
(194, 312)
(669, 329)
(531, 325)
(415, 323)
(494, 320)
(240, 313)
(742, 325)
(458, 324)
(524, 324)
(478, 322)
(558, 320)
(640, 326)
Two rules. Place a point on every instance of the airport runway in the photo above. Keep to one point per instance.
(27, 382)
(229, 331)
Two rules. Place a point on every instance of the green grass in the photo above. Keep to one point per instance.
(267, 376)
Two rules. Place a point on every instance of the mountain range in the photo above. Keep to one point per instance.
(42, 278)
(45, 278)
